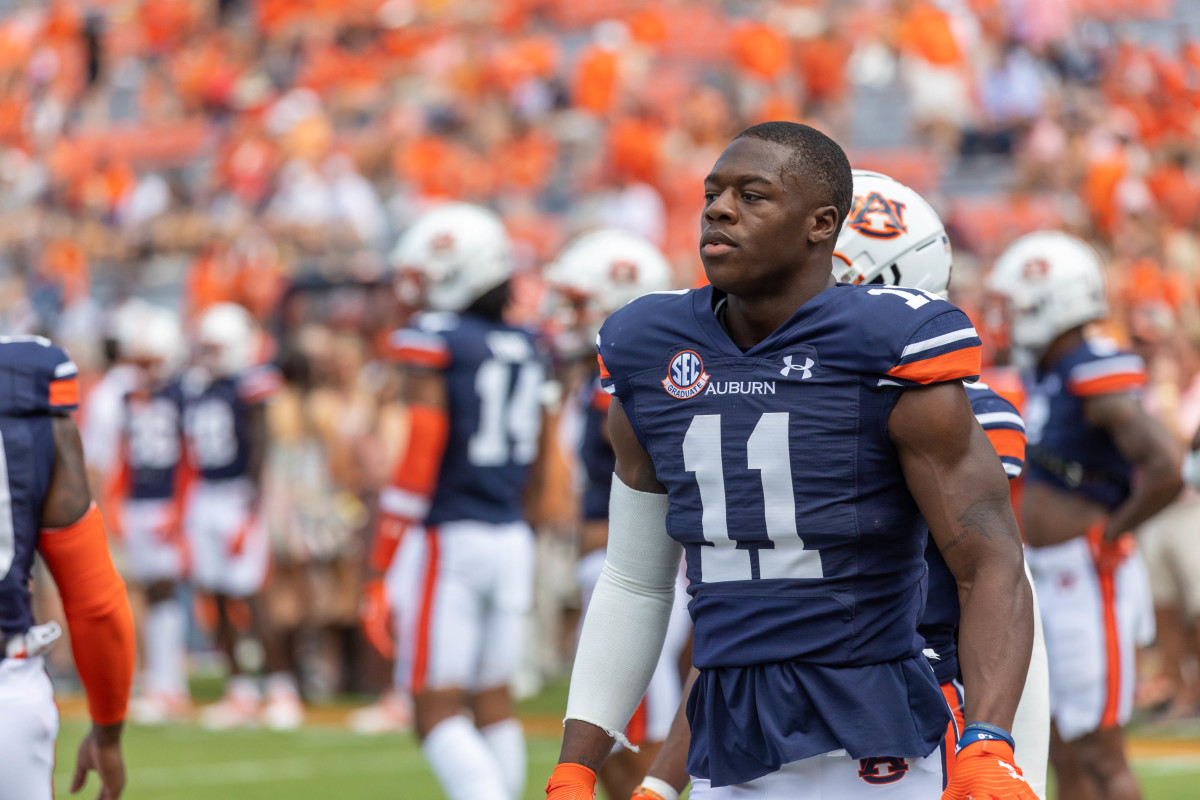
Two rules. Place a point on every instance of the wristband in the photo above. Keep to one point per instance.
(659, 787)
(982, 731)
(568, 773)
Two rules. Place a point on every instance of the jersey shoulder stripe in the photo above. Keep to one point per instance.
(1119, 373)
(944, 348)
(1003, 425)
(36, 376)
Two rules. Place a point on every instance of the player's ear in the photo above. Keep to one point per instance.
(823, 224)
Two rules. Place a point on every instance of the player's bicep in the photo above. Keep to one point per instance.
(955, 477)
(1138, 436)
(68, 497)
(634, 465)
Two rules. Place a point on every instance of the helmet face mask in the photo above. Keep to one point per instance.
(460, 251)
(892, 237)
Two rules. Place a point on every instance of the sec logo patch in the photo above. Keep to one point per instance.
(685, 376)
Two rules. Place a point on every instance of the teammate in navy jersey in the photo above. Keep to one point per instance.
(462, 578)
(917, 255)
(46, 509)
(151, 449)
(1088, 434)
(791, 435)
(595, 275)
(224, 422)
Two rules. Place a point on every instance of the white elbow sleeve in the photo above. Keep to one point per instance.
(627, 619)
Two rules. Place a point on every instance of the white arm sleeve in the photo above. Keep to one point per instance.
(1031, 726)
(627, 619)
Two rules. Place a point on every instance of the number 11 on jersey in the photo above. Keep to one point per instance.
(768, 450)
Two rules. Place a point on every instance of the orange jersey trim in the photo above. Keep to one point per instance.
(953, 728)
(603, 369)
(601, 400)
(64, 392)
(955, 365)
(97, 612)
(422, 357)
(1109, 384)
(1007, 442)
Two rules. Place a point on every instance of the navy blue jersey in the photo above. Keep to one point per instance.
(1064, 450)
(215, 424)
(37, 380)
(494, 377)
(595, 451)
(152, 441)
(939, 626)
(807, 589)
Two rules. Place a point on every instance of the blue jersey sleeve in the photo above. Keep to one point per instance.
(943, 348)
(36, 377)
(1003, 425)
(423, 344)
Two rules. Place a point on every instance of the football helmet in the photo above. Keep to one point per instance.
(1052, 282)
(227, 339)
(892, 237)
(159, 344)
(462, 251)
(601, 271)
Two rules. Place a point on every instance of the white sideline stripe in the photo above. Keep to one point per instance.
(937, 341)
(1000, 417)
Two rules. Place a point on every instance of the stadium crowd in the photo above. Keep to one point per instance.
(195, 152)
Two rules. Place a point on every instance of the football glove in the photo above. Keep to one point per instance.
(375, 616)
(984, 767)
(571, 782)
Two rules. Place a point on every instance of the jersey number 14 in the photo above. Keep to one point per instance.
(768, 450)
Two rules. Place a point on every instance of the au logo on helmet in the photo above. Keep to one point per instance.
(685, 376)
(877, 216)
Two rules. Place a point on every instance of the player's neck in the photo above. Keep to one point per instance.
(1061, 346)
(749, 320)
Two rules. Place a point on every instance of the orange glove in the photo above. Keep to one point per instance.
(375, 616)
(642, 793)
(984, 770)
(571, 782)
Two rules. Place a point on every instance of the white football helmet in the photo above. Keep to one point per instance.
(125, 325)
(227, 338)
(892, 237)
(1053, 282)
(603, 270)
(159, 343)
(462, 251)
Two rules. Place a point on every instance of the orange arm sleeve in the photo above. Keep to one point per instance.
(97, 611)
(406, 498)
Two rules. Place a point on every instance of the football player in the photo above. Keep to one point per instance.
(46, 509)
(918, 256)
(151, 491)
(463, 580)
(794, 437)
(224, 425)
(1088, 435)
(594, 276)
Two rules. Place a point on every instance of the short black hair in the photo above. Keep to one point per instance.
(815, 159)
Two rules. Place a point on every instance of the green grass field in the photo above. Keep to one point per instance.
(184, 762)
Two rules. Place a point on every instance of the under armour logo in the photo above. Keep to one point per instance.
(788, 366)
